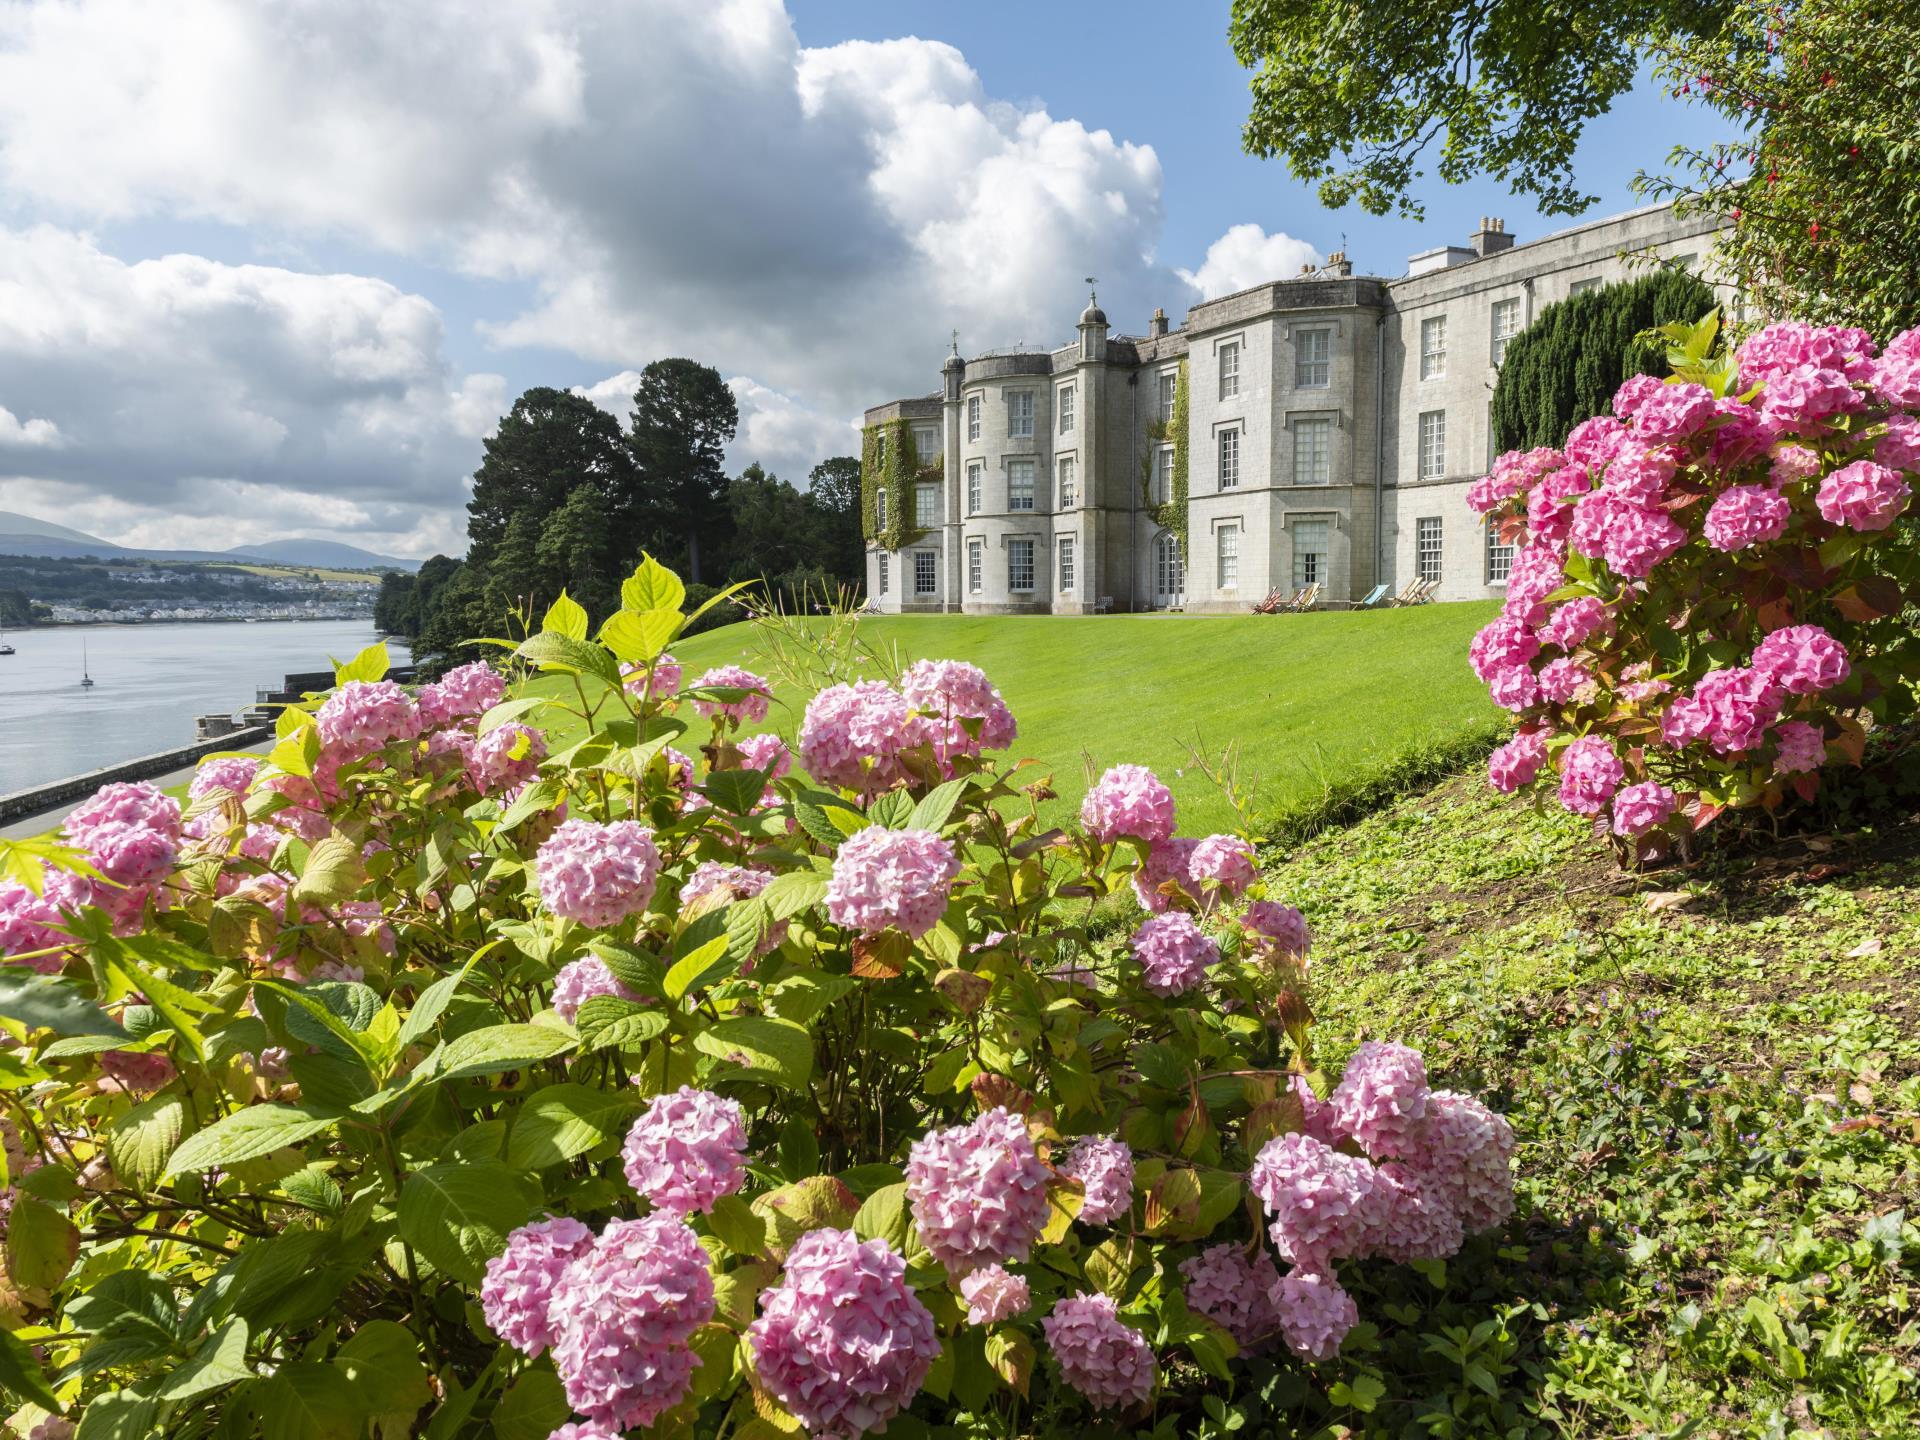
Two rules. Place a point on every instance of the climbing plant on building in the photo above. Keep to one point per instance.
(1170, 514)
(890, 465)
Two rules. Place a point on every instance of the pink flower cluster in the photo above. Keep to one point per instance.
(1174, 953)
(897, 879)
(851, 735)
(1314, 1313)
(505, 757)
(1128, 800)
(993, 1293)
(842, 1341)
(582, 980)
(518, 1289)
(960, 712)
(597, 874)
(1099, 1354)
(1104, 1167)
(363, 716)
(1234, 1289)
(978, 1191)
(749, 709)
(665, 681)
(1278, 929)
(464, 693)
(229, 774)
(687, 1150)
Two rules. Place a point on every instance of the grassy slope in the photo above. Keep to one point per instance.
(1713, 1081)
(1314, 700)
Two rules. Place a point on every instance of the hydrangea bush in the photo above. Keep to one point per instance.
(436, 1075)
(1711, 591)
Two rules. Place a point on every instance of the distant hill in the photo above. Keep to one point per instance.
(25, 535)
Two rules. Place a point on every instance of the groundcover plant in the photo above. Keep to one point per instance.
(1711, 601)
(417, 1080)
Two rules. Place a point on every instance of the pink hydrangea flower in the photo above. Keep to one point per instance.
(842, 1341)
(1280, 928)
(1746, 515)
(1226, 860)
(1896, 375)
(1102, 1357)
(141, 1071)
(1381, 1097)
(1643, 807)
(1864, 496)
(1174, 953)
(585, 979)
(1634, 392)
(749, 709)
(1562, 679)
(978, 1191)
(1464, 1153)
(1313, 1196)
(664, 685)
(1740, 435)
(229, 774)
(1315, 1313)
(1641, 472)
(1899, 448)
(1234, 1290)
(1804, 398)
(1792, 464)
(1671, 411)
(519, 1282)
(505, 757)
(687, 1150)
(1502, 644)
(950, 693)
(897, 879)
(1404, 1220)
(1512, 474)
(1802, 748)
(584, 1430)
(851, 734)
(1128, 800)
(1167, 860)
(1514, 689)
(1537, 571)
(1514, 765)
(1551, 504)
(137, 804)
(1594, 442)
(1791, 344)
(597, 874)
(464, 693)
(713, 878)
(1802, 659)
(1639, 539)
(28, 921)
(620, 1316)
(364, 715)
(131, 855)
(1736, 705)
(766, 752)
(993, 1293)
(1589, 774)
(1104, 1167)
(1316, 1115)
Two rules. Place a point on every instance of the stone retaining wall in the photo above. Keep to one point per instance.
(21, 804)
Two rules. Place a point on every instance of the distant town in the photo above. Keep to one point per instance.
(37, 590)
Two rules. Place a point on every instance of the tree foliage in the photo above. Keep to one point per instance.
(1565, 366)
(683, 419)
(1353, 93)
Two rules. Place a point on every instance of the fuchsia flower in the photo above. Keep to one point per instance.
(750, 708)
(1233, 1289)
(1516, 763)
(620, 1316)
(1746, 515)
(1315, 1313)
(1313, 1196)
(1174, 953)
(1863, 496)
(518, 1288)
(1734, 707)
(1589, 774)
(850, 735)
(464, 693)
(1381, 1097)
(364, 715)
(978, 1191)
(1225, 860)
(687, 1150)
(1802, 660)
(1106, 1360)
(1643, 807)
(842, 1341)
(1802, 748)
(586, 979)
(1280, 928)
(993, 1294)
(1128, 800)
(896, 879)
(1104, 1168)
(664, 685)
(598, 874)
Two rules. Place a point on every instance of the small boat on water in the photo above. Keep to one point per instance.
(86, 680)
(5, 649)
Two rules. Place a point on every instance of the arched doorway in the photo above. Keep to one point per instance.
(1169, 572)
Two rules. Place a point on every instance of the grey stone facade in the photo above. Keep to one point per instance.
(1335, 422)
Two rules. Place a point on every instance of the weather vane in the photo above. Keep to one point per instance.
(1093, 297)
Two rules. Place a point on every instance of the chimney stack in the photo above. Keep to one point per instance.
(1157, 325)
(1338, 264)
(1492, 237)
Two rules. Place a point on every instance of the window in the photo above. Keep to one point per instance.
(926, 506)
(1019, 484)
(973, 417)
(975, 470)
(926, 443)
(1687, 261)
(880, 508)
(1069, 489)
(1227, 542)
(1020, 566)
(1065, 408)
(1230, 457)
(1426, 547)
(1581, 287)
(883, 572)
(1020, 414)
(1433, 347)
(976, 558)
(1433, 444)
(1229, 369)
(1309, 552)
(880, 449)
(1313, 451)
(1169, 380)
(1169, 569)
(1506, 325)
(1312, 359)
(1064, 569)
(1499, 557)
(923, 567)
(1162, 474)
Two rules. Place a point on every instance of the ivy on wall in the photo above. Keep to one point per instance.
(889, 462)
(1173, 514)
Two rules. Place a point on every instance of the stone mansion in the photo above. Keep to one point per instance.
(1334, 422)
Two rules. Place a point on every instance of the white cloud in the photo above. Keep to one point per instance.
(1245, 256)
(16, 433)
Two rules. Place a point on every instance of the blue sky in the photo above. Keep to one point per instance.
(279, 268)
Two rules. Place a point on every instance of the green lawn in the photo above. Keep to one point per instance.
(1312, 702)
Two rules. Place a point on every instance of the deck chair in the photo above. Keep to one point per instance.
(1374, 596)
(1423, 592)
(1275, 602)
(1306, 599)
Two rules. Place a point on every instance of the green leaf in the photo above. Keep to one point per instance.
(607, 1021)
(568, 656)
(175, 1005)
(652, 587)
(381, 1361)
(534, 1407)
(561, 1121)
(315, 1189)
(499, 1048)
(936, 805)
(892, 810)
(700, 966)
(431, 1005)
(458, 1215)
(640, 637)
(246, 1134)
(306, 1400)
(735, 791)
(21, 1373)
(121, 1415)
(787, 895)
(800, 998)
(333, 872)
(139, 1142)
(534, 799)
(220, 1360)
(741, 1228)
(41, 1245)
(370, 664)
(776, 1051)
(565, 617)
(45, 1002)
(883, 1216)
